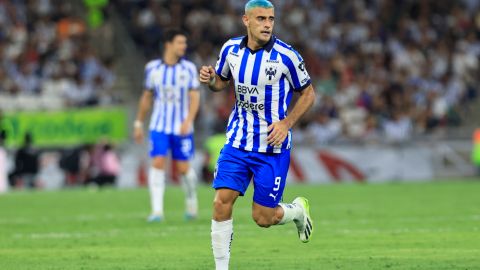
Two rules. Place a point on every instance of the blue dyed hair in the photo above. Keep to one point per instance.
(257, 4)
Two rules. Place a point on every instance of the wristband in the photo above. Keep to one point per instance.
(138, 124)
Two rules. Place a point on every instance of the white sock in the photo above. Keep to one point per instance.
(189, 184)
(222, 236)
(156, 185)
(291, 212)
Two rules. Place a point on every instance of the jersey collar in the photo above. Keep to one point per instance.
(268, 47)
(178, 62)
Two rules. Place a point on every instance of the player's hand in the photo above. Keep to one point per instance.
(278, 133)
(138, 135)
(207, 74)
(185, 127)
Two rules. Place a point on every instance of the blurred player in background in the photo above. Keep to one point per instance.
(266, 72)
(3, 162)
(171, 83)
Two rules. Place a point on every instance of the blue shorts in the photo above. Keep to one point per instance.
(235, 169)
(181, 146)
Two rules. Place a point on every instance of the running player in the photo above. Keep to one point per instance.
(266, 72)
(171, 83)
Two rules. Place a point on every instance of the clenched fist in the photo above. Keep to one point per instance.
(207, 74)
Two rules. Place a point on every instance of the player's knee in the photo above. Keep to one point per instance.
(220, 205)
(183, 168)
(158, 163)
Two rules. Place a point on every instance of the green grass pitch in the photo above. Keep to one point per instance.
(432, 225)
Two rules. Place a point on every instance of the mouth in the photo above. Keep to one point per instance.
(266, 33)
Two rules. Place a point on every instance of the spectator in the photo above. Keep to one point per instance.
(42, 46)
(371, 132)
(398, 129)
(81, 93)
(324, 129)
(109, 167)
(371, 57)
(72, 162)
(26, 164)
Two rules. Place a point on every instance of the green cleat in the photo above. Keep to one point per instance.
(304, 224)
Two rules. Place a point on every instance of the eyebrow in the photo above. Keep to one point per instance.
(264, 17)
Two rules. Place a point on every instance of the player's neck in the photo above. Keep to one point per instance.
(253, 44)
(170, 59)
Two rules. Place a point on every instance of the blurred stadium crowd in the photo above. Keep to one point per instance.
(46, 61)
(384, 70)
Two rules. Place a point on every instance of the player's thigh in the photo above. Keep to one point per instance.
(159, 145)
(232, 171)
(270, 175)
(182, 147)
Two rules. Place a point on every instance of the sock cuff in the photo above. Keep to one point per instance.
(191, 173)
(156, 171)
(285, 217)
(222, 225)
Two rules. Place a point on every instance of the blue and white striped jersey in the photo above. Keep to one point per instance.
(170, 86)
(264, 82)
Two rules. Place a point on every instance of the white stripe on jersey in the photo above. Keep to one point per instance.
(249, 120)
(170, 85)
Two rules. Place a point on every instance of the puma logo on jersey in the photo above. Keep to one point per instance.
(273, 196)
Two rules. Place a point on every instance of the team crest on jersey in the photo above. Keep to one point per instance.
(270, 72)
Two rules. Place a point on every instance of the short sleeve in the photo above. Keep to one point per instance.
(193, 83)
(297, 72)
(222, 68)
(148, 81)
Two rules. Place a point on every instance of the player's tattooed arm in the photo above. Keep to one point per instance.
(279, 130)
(209, 77)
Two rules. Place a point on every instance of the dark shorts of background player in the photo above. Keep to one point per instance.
(236, 167)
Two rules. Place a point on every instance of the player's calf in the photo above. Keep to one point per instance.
(266, 216)
(263, 221)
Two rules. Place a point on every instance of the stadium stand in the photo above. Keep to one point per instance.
(46, 60)
(393, 68)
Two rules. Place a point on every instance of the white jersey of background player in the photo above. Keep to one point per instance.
(171, 83)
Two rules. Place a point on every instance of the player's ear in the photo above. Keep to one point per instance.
(245, 20)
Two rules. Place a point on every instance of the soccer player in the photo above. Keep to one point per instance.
(171, 83)
(266, 72)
